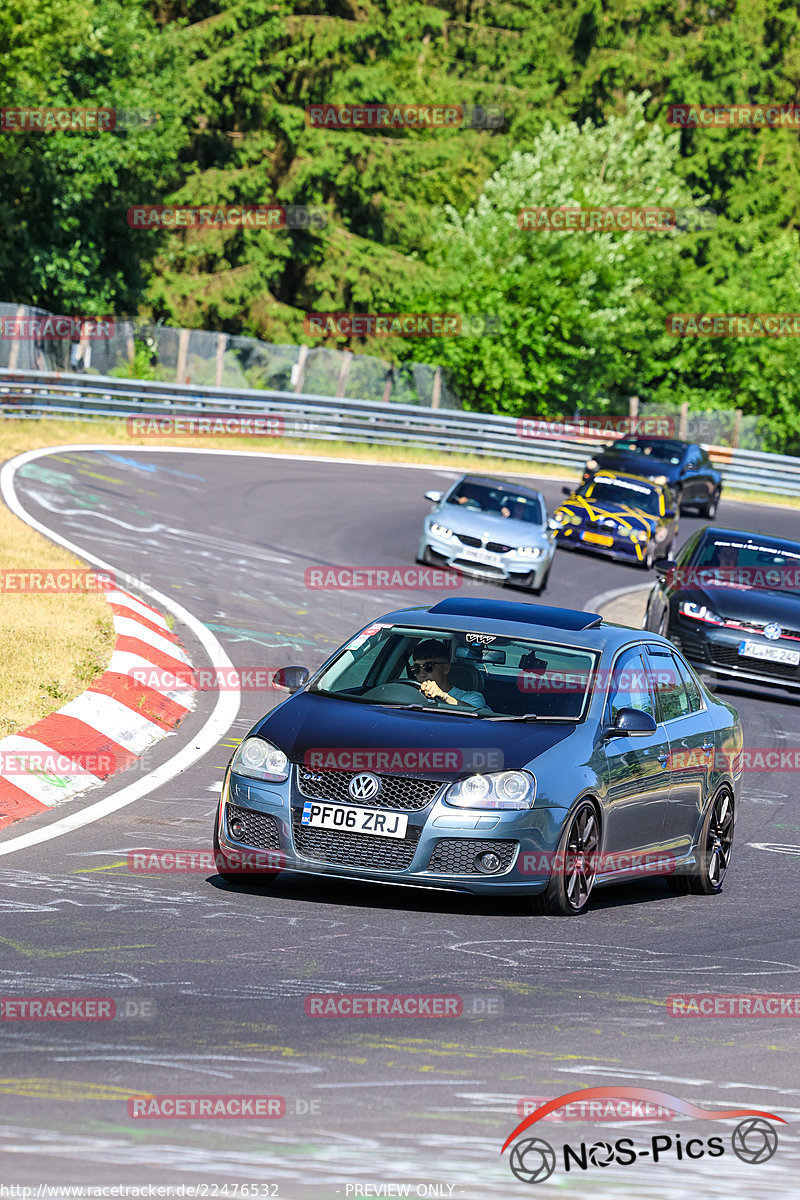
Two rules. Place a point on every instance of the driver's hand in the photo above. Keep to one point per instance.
(431, 689)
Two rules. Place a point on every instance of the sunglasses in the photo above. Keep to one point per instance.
(426, 666)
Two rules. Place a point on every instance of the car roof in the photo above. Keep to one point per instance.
(489, 481)
(744, 535)
(673, 443)
(471, 614)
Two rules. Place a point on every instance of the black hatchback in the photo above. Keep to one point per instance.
(731, 603)
(684, 466)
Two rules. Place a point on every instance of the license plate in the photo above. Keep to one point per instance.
(776, 654)
(599, 538)
(482, 556)
(319, 815)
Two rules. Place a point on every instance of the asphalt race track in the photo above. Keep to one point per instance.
(220, 973)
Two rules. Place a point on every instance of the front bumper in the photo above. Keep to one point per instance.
(623, 549)
(438, 851)
(511, 567)
(716, 648)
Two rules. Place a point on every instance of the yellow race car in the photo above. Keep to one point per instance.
(625, 517)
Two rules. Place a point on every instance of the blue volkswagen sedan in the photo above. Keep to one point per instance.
(490, 746)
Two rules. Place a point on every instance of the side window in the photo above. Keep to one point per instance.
(689, 682)
(630, 685)
(673, 698)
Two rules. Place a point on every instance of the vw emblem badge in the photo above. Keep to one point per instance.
(364, 786)
(773, 631)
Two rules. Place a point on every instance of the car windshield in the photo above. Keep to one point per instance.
(666, 452)
(489, 675)
(497, 501)
(621, 491)
(750, 563)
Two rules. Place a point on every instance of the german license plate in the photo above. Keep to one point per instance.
(319, 815)
(599, 539)
(482, 556)
(778, 654)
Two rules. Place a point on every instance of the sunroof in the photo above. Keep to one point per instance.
(527, 614)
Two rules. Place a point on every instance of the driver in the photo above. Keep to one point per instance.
(431, 668)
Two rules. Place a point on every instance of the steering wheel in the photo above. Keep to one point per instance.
(398, 691)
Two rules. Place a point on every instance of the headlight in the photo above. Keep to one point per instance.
(640, 535)
(531, 551)
(659, 479)
(699, 612)
(440, 530)
(661, 535)
(503, 789)
(259, 759)
(592, 464)
(565, 517)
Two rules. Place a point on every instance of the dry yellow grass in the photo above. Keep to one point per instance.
(54, 645)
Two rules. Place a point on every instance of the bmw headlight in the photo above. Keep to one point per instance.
(699, 612)
(565, 517)
(640, 535)
(440, 530)
(531, 551)
(659, 479)
(661, 535)
(592, 464)
(500, 789)
(259, 759)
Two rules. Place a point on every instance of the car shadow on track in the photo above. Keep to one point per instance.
(362, 895)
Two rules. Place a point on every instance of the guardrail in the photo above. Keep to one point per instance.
(37, 394)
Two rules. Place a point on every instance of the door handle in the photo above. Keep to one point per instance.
(663, 757)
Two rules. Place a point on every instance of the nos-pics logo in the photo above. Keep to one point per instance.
(533, 1160)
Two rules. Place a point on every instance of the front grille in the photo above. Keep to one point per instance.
(259, 829)
(355, 849)
(469, 541)
(497, 547)
(406, 793)
(728, 656)
(456, 856)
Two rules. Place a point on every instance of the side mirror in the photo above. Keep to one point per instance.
(662, 566)
(291, 678)
(631, 722)
(567, 491)
(434, 497)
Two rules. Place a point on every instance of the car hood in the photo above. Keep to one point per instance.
(308, 722)
(748, 604)
(499, 529)
(594, 512)
(637, 464)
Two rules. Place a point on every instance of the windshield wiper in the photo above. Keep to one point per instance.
(448, 708)
(530, 717)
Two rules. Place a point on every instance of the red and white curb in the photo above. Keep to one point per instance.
(108, 727)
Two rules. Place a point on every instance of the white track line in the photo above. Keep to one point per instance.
(220, 721)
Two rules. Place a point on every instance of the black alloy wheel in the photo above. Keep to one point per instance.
(710, 509)
(713, 855)
(575, 866)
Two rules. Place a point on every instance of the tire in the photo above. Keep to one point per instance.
(663, 624)
(567, 894)
(705, 877)
(710, 509)
(264, 878)
(537, 591)
(649, 556)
